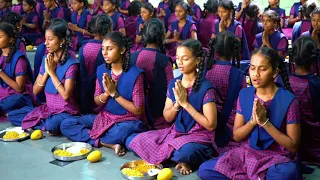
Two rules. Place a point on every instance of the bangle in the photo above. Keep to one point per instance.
(58, 86)
(82, 31)
(175, 109)
(265, 122)
(41, 85)
(193, 114)
(166, 41)
(101, 99)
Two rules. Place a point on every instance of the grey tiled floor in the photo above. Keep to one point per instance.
(29, 160)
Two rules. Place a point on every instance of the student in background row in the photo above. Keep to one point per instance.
(241, 10)
(110, 8)
(305, 20)
(17, 8)
(132, 19)
(314, 31)
(306, 86)
(294, 13)
(196, 15)
(274, 5)
(272, 36)
(5, 7)
(163, 11)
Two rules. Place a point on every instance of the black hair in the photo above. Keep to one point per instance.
(275, 17)
(173, 4)
(186, 7)
(135, 8)
(226, 45)
(148, 6)
(31, 3)
(252, 11)
(85, 2)
(316, 11)
(100, 24)
(196, 48)
(114, 2)
(269, 7)
(276, 61)
(305, 53)
(211, 6)
(307, 9)
(122, 42)
(61, 30)
(11, 32)
(12, 18)
(228, 4)
(153, 31)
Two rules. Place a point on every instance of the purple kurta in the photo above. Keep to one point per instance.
(205, 29)
(219, 77)
(245, 162)
(158, 145)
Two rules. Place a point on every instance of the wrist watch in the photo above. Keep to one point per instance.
(116, 95)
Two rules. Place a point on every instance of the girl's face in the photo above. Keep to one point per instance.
(26, 7)
(315, 21)
(52, 41)
(273, 2)
(4, 40)
(268, 23)
(223, 13)
(76, 5)
(48, 3)
(108, 6)
(3, 4)
(261, 72)
(111, 51)
(146, 14)
(190, 1)
(180, 12)
(186, 61)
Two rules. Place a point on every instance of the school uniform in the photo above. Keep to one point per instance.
(238, 31)
(300, 27)
(307, 90)
(90, 57)
(10, 99)
(17, 8)
(185, 33)
(49, 116)
(205, 29)
(248, 29)
(166, 8)
(95, 5)
(186, 141)
(4, 12)
(124, 5)
(114, 124)
(139, 46)
(294, 12)
(196, 11)
(82, 20)
(242, 15)
(228, 81)
(130, 26)
(117, 21)
(313, 68)
(261, 156)
(278, 41)
(158, 72)
(281, 12)
(32, 35)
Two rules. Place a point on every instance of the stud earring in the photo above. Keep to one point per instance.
(60, 45)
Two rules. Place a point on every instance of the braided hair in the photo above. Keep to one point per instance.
(275, 18)
(228, 4)
(305, 53)
(276, 61)
(153, 31)
(100, 24)
(61, 30)
(196, 48)
(14, 19)
(316, 11)
(11, 32)
(122, 42)
(252, 11)
(225, 45)
(211, 6)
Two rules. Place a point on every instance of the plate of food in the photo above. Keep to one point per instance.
(14, 134)
(71, 151)
(140, 170)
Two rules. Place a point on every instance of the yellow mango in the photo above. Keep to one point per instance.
(37, 134)
(165, 174)
(94, 156)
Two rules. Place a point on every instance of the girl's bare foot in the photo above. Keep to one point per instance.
(52, 134)
(119, 150)
(183, 168)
